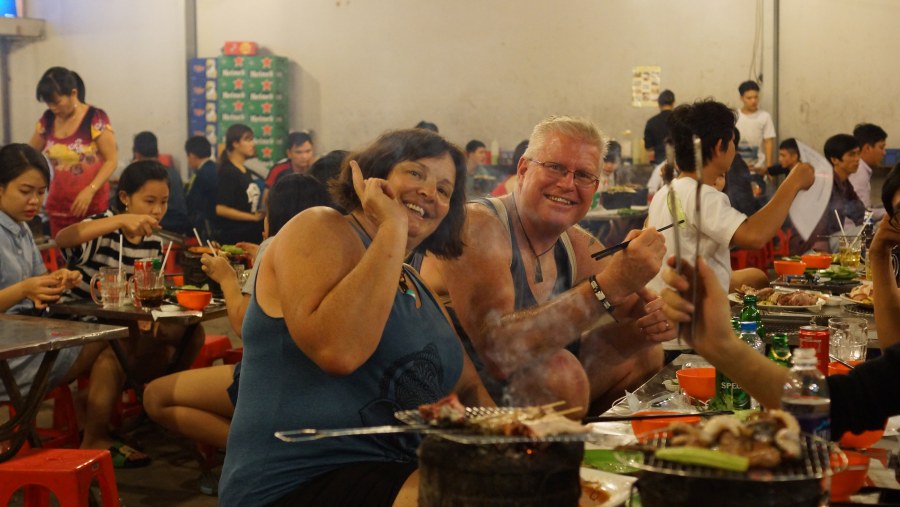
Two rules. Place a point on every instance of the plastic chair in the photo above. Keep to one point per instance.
(214, 348)
(67, 473)
(233, 356)
(63, 431)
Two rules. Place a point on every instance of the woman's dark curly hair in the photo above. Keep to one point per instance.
(394, 147)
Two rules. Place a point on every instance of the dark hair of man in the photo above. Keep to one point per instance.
(397, 146)
(136, 175)
(427, 125)
(145, 145)
(666, 98)
(328, 167)
(292, 194)
(518, 153)
(868, 133)
(837, 145)
(298, 139)
(16, 159)
(613, 152)
(790, 144)
(198, 146)
(473, 145)
(889, 188)
(711, 121)
(58, 81)
(747, 86)
(234, 134)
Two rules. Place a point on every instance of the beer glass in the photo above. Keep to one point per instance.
(849, 338)
(112, 289)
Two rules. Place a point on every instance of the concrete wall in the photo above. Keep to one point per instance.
(478, 69)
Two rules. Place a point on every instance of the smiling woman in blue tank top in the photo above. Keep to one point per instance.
(340, 333)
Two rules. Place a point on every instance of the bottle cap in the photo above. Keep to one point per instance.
(157, 264)
(748, 326)
(749, 298)
(805, 356)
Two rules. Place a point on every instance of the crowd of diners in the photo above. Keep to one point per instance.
(385, 278)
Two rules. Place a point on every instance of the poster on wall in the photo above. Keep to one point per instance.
(645, 85)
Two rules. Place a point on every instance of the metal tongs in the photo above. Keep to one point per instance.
(677, 213)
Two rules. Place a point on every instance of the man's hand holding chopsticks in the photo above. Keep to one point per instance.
(629, 271)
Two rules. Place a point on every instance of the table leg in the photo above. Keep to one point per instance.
(21, 426)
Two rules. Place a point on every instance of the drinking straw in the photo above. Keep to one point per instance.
(120, 258)
(197, 235)
(840, 223)
(166, 257)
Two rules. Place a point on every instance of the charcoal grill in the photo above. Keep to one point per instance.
(793, 483)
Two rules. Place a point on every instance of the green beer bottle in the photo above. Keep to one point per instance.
(750, 313)
(729, 395)
(780, 352)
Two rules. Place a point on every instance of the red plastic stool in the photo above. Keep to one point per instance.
(64, 430)
(66, 472)
(214, 348)
(233, 356)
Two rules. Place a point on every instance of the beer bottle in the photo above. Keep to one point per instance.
(750, 313)
(780, 352)
(729, 395)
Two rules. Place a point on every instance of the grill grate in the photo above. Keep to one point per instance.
(813, 464)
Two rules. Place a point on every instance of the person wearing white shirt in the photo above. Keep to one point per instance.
(721, 226)
(757, 130)
(872, 141)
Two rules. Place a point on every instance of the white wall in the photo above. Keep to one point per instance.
(130, 54)
(479, 69)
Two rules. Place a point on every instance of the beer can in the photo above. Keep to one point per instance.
(816, 338)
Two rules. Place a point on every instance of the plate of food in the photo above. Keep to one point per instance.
(780, 298)
(838, 273)
(603, 489)
(863, 295)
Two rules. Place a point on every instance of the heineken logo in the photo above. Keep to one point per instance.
(264, 141)
(234, 72)
(267, 107)
(262, 96)
(261, 118)
(267, 85)
(233, 117)
(233, 95)
(262, 73)
(267, 152)
(267, 62)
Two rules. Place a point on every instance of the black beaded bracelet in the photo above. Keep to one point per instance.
(600, 295)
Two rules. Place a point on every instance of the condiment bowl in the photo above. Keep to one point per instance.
(817, 261)
(193, 299)
(862, 440)
(698, 383)
(789, 267)
(641, 426)
(844, 484)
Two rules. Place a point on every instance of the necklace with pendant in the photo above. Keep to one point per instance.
(404, 284)
(538, 275)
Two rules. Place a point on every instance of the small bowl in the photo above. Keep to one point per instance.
(641, 426)
(817, 261)
(193, 299)
(789, 267)
(862, 440)
(844, 484)
(698, 383)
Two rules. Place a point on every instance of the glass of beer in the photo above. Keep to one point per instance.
(849, 253)
(149, 288)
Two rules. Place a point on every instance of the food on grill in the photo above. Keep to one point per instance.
(778, 297)
(535, 422)
(864, 294)
(446, 411)
(705, 457)
(764, 440)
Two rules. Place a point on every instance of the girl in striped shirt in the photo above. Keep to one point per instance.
(142, 199)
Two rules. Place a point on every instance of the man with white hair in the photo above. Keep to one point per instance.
(544, 320)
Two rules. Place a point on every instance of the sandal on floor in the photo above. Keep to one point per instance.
(124, 456)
